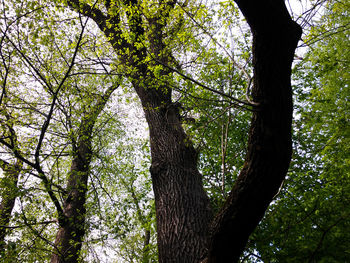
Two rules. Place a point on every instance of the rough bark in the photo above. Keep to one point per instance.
(71, 230)
(8, 196)
(182, 207)
(275, 38)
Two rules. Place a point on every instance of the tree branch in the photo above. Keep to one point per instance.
(27, 224)
(240, 103)
(49, 115)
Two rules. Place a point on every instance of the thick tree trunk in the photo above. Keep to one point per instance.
(183, 210)
(275, 38)
(182, 207)
(8, 196)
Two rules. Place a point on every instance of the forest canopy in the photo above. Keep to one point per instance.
(174, 131)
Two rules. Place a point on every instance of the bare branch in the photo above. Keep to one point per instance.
(32, 224)
(237, 101)
(47, 122)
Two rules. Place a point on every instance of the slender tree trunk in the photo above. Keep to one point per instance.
(146, 250)
(9, 190)
(72, 224)
(8, 196)
(275, 37)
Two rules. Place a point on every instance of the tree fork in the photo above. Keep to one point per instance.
(182, 206)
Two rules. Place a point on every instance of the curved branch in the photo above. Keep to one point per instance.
(240, 102)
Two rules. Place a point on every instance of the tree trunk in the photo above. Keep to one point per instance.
(9, 190)
(72, 226)
(182, 206)
(72, 223)
(275, 37)
(183, 210)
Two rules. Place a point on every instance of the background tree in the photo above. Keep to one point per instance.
(63, 126)
(8, 183)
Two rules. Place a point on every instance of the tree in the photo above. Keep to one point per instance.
(182, 206)
(309, 220)
(60, 110)
(150, 50)
(269, 146)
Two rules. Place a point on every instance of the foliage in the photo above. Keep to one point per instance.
(42, 76)
(56, 59)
